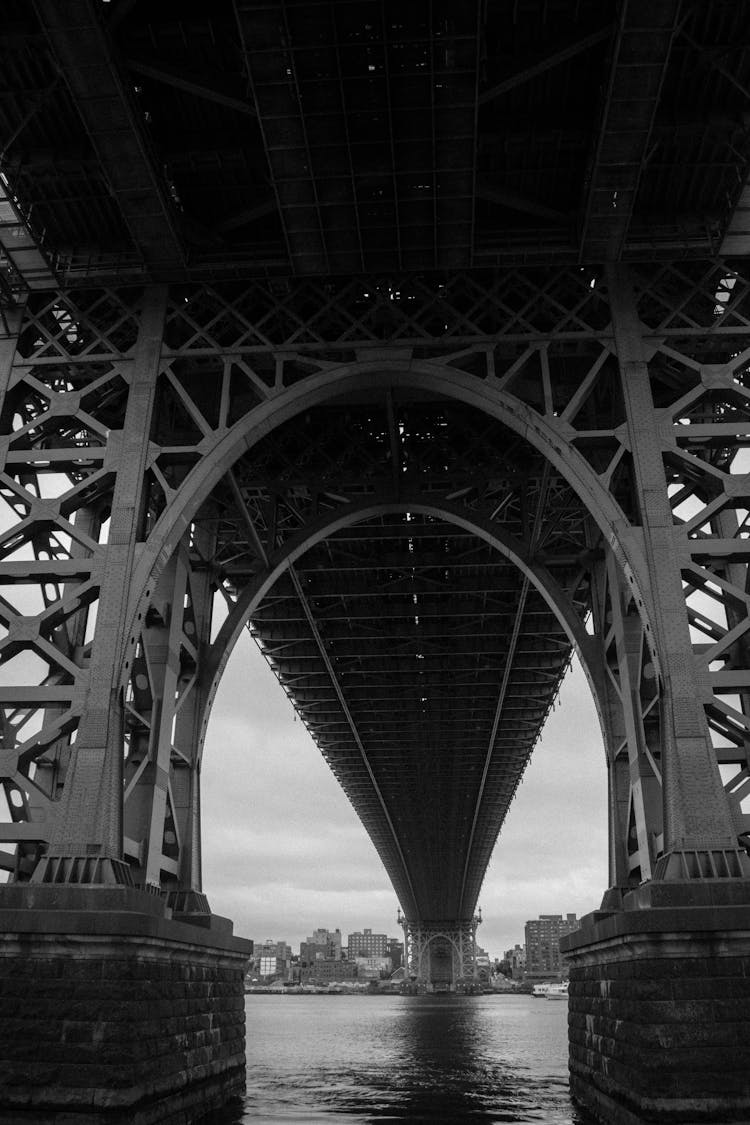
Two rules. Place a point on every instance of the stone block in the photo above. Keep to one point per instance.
(105, 1013)
(659, 1013)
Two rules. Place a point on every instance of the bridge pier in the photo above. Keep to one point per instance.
(440, 956)
(660, 979)
(659, 1017)
(113, 1010)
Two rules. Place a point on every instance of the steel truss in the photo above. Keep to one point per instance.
(423, 493)
(439, 957)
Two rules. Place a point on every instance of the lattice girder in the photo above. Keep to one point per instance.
(484, 430)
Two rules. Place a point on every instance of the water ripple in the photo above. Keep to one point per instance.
(372, 1059)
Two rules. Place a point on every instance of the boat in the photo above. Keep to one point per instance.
(557, 991)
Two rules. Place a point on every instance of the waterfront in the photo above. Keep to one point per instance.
(317, 1059)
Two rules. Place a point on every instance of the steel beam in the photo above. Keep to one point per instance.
(640, 58)
(81, 49)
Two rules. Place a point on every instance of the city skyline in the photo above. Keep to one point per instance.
(287, 854)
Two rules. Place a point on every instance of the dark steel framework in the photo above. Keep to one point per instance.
(407, 335)
(418, 535)
(320, 138)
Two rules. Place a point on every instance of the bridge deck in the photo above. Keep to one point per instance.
(319, 138)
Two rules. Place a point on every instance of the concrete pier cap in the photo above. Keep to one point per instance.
(659, 1005)
(115, 1010)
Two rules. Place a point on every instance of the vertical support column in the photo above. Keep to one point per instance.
(8, 343)
(24, 856)
(698, 829)
(178, 1051)
(52, 765)
(412, 951)
(189, 724)
(162, 643)
(660, 987)
(726, 525)
(643, 798)
(90, 815)
(467, 937)
(417, 954)
(167, 697)
(609, 696)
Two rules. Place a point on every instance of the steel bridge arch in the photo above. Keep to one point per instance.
(331, 522)
(325, 386)
(419, 951)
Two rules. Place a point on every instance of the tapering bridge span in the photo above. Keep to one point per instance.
(418, 343)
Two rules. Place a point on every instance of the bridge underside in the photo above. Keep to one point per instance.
(421, 658)
(418, 335)
(312, 139)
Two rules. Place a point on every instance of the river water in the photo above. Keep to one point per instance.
(377, 1059)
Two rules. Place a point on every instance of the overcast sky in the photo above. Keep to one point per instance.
(284, 852)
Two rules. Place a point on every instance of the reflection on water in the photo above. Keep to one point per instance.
(420, 1059)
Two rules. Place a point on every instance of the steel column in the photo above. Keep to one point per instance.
(89, 822)
(165, 703)
(697, 818)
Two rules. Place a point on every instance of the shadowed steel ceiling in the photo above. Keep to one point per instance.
(311, 138)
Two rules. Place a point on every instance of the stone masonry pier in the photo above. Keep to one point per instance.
(659, 1017)
(113, 1012)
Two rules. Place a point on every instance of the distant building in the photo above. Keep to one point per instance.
(483, 963)
(373, 968)
(396, 953)
(331, 939)
(321, 945)
(543, 944)
(326, 970)
(515, 959)
(271, 960)
(270, 948)
(368, 944)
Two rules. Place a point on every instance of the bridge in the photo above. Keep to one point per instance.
(414, 338)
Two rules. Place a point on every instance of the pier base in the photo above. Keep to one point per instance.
(114, 1012)
(659, 1006)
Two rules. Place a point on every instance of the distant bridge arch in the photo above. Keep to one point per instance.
(438, 957)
